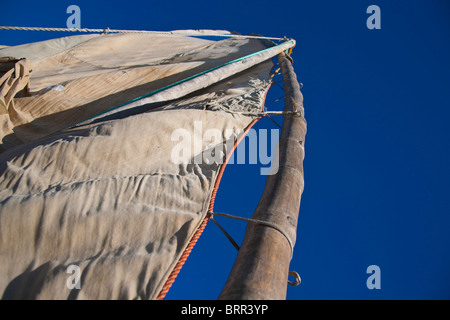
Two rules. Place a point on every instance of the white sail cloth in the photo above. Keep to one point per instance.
(107, 197)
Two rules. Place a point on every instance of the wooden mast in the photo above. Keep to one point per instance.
(261, 269)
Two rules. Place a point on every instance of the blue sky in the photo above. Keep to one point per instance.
(377, 148)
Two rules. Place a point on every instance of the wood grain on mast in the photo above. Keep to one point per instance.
(261, 269)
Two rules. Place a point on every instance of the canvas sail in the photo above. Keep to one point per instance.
(87, 170)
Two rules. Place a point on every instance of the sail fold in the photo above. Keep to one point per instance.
(118, 199)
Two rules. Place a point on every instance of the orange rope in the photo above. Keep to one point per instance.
(171, 279)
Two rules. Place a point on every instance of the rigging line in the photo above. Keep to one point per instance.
(265, 113)
(273, 120)
(276, 100)
(107, 30)
(226, 234)
(260, 222)
(230, 238)
(276, 71)
(277, 83)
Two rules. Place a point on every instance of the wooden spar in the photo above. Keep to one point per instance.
(261, 269)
